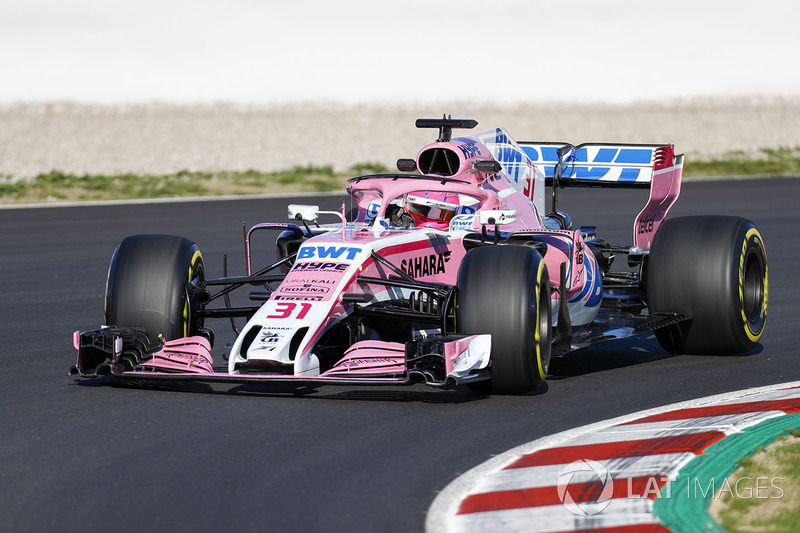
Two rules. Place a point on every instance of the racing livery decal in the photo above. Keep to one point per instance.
(429, 265)
(328, 252)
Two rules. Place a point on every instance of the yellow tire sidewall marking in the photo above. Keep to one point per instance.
(537, 334)
(752, 232)
(197, 255)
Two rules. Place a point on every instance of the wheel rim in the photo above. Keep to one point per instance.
(753, 287)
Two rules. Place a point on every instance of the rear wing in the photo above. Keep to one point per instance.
(600, 165)
(653, 166)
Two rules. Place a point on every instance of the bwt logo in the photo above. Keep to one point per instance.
(591, 501)
(328, 252)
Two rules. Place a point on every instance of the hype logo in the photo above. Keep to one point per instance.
(469, 148)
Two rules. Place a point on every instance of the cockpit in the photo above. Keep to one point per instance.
(417, 202)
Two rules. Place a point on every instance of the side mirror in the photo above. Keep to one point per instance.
(488, 166)
(406, 165)
(497, 216)
(308, 213)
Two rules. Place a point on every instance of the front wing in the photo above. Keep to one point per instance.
(129, 354)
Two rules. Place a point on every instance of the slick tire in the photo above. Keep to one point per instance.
(712, 269)
(505, 291)
(147, 285)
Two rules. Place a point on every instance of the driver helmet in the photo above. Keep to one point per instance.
(432, 209)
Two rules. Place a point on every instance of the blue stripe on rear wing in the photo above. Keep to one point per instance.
(596, 165)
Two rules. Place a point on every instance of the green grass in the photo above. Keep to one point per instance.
(58, 186)
(767, 508)
(767, 162)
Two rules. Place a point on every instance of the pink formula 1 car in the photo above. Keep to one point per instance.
(452, 272)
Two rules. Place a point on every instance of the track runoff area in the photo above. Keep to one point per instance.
(652, 471)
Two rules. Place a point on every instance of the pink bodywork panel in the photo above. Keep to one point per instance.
(565, 246)
(664, 190)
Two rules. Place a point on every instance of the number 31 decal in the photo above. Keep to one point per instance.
(286, 309)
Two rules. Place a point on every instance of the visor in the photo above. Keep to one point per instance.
(432, 212)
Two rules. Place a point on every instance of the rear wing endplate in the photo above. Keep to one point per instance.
(653, 166)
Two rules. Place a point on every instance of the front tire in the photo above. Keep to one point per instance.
(713, 270)
(147, 285)
(505, 291)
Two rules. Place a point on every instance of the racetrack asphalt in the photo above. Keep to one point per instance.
(90, 455)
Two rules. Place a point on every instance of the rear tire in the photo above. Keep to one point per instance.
(147, 285)
(712, 269)
(505, 291)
